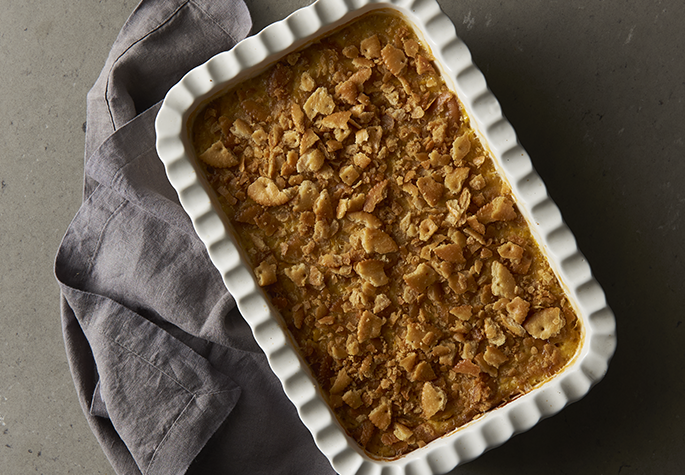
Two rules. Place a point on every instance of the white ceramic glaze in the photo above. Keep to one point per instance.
(452, 56)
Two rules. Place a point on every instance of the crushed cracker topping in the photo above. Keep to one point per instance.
(379, 226)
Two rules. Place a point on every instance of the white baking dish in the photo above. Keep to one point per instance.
(253, 55)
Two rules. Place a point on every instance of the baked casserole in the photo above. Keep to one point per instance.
(380, 227)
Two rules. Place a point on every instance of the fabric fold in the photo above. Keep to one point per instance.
(161, 390)
(151, 399)
(166, 370)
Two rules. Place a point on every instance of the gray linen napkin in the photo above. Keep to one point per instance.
(163, 363)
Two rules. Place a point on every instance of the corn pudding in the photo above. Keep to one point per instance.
(380, 228)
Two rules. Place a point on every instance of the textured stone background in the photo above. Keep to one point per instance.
(595, 91)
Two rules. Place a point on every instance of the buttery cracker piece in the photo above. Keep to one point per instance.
(307, 83)
(499, 209)
(458, 207)
(361, 160)
(460, 282)
(411, 47)
(322, 231)
(297, 116)
(450, 253)
(348, 91)
(510, 251)
(247, 214)
(331, 260)
(394, 59)
(241, 129)
(462, 312)
(371, 47)
(290, 165)
(266, 274)
(337, 120)
(477, 182)
(469, 350)
(291, 139)
(316, 277)
(467, 367)
(409, 295)
(369, 326)
(366, 219)
(415, 335)
(448, 351)
(460, 148)
(381, 415)
(223, 191)
(439, 134)
(430, 189)
(319, 102)
(422, 277)
(380, 303)
(456, 178)
(333, 145)
(494, 356)
(402, 432)
(298, 316)
(423, 65)
(427, 228)
(259, 137)
(323, 207)
(503, 283)
(360, 77)
(292, 58)
(372, 270)
(311, 161)
(298, 274)
(518, 309)
(265, 192)
(476, 230)
(375, 240)
(219, 156)
(445, 269)
(375, 135)
(309, 138)
(375, 195)
(433, 400)
(408, 362)
(308, 192)
(342, 380)
(353, 398)
(350, 51)
(545, 323)
(361, 62)
(349, 174)
(423, 372)
(494, 333)
(510, 324)
(361, 136)
(335, 349)
(438, 160)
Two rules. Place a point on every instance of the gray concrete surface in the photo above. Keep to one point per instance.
(595, 91)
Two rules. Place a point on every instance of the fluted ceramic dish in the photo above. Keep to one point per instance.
(252, 56)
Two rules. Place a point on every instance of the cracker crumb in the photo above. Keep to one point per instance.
(265, 192)
(545, 323)
(219, 156)
(433, 400)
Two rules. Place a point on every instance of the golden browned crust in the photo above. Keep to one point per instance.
(379, 226)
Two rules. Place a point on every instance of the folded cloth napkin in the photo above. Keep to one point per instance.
(163, 363)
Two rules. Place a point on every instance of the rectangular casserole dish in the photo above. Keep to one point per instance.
(254, 55)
